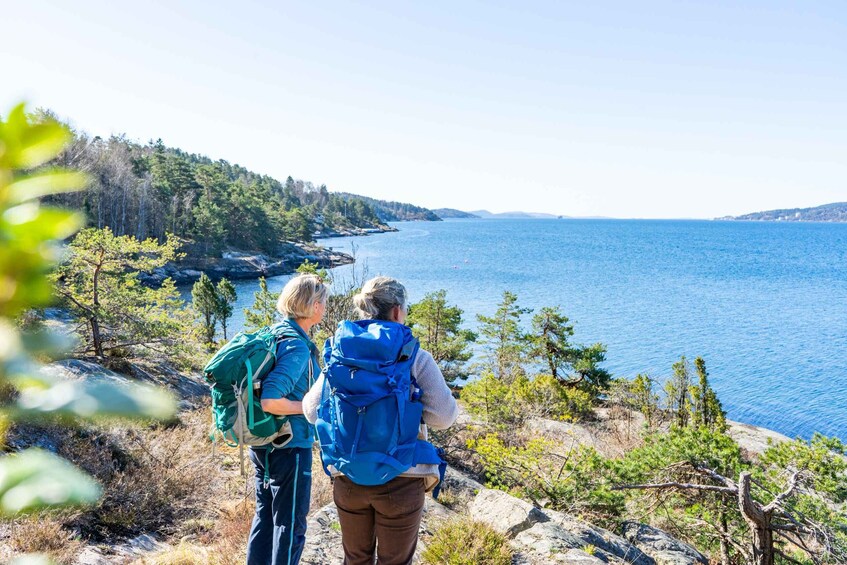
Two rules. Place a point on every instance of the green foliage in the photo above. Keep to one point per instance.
(99, 284)
(575, 481)
(437, 325)
(548, 340)
(637, 394)
(263, 312)
(30, 239)
(545, 396)
(463, 541)
(204, 298)
(507, 405)
(34, 479)
(821, 475)
(226, 298)
(309, 268)
(678, 391)
(503, 339)
(150, 190)
(487, 398)
(673, 457)
(695, 446)
(706, 409)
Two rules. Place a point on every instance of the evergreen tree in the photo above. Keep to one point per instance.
(263, 312)
(706, 409)
(204, 297)
(677, 389)
(503, 338)
(226, 297)
(99, 282)
(548, 340)
(646, 401)
(437, 325)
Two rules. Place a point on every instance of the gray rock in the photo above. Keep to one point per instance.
(547, 542)
(504, 513)
(608, 546)
(659, 545)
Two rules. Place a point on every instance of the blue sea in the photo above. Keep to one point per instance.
(765, 304)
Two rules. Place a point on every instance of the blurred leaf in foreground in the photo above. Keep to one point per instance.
(34, 479)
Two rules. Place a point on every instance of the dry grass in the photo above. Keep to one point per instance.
(154, 479)
(160, 480)
(44, 534)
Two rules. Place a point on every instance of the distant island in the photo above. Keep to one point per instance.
(515, 215)
(835, 212)
(452, 213)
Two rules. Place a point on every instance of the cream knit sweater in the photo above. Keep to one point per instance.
(439, 408)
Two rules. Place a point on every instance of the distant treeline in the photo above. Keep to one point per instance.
(835, 212)
(395, 211)
(150, 190)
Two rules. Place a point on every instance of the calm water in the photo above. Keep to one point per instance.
(765, 304)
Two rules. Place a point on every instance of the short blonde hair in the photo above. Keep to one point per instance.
(299, 294)
(378, 296)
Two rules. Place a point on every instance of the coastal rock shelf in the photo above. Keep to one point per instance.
(236, 265)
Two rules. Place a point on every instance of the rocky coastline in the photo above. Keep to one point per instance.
(238, 265)
(353, 232)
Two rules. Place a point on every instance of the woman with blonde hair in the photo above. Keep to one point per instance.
(283, 474)
(380, 495)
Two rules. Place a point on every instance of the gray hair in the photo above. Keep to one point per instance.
(377, 297)
(299, 294)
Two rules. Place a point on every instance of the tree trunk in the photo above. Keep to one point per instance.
(95, 336)
(95, 300)
(759, 522)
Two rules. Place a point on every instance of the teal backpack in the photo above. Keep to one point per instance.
(235, 375)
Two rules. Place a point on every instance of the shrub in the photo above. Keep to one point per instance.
(503, 404)
(466, 542)
(576, 481)
(44, 534)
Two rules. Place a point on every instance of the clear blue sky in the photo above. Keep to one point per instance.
(624, 109)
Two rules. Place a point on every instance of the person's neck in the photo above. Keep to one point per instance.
(305, 324)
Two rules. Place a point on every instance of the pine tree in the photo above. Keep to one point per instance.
(99, 282)
(438, 326)
(678, 392)
(706, 409)
(204, 297)
(226, 297)
(503, 338)
(263, 312)
(551, 331)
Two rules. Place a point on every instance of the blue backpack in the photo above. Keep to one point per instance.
(370, 411)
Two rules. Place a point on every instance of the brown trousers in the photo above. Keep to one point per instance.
(380, 520)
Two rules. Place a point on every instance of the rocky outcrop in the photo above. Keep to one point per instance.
(546, 536)
(664, 549)
(189, 390)
(238, 265)
(505, 514)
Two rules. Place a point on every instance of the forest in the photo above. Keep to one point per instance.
(150, 190)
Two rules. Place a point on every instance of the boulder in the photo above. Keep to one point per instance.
(659, 545)
(607, 544)
(503, 512)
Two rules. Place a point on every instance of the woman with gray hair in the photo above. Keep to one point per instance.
(283, 474)
(382, 520)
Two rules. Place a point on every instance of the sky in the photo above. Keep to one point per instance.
(623, 109)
